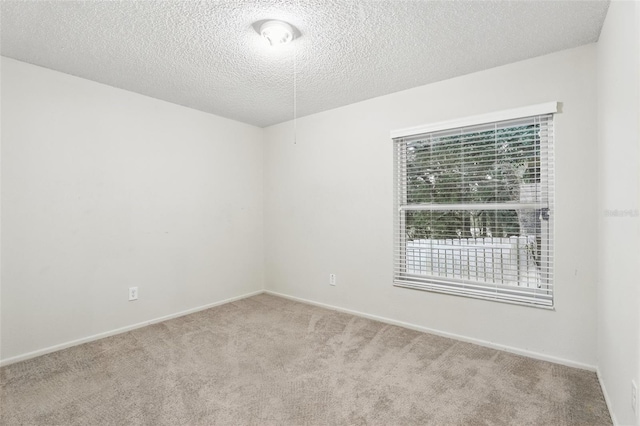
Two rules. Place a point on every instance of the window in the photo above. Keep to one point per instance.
(474, 207)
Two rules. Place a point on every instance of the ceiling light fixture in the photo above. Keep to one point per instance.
(277, 32)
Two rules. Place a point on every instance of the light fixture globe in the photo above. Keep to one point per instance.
(276, 32)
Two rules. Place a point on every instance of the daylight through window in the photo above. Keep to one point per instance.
(474, 210)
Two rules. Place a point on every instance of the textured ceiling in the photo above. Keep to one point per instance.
(208, 56)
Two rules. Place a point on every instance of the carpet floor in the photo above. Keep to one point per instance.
(271, 361)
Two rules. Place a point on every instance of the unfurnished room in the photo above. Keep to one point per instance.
(320, 212)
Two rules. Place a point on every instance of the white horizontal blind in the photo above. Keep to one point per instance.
(474, 211)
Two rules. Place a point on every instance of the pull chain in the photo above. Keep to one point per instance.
(295, 98)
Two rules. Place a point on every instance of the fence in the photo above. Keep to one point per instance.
(506, 261)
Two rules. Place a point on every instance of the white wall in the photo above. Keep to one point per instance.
(328, 206)
(103, 189)
(619, 157)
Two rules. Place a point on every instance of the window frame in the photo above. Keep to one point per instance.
(469, 288)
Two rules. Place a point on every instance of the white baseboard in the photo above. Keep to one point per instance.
(87, 339)
(606, 398)
(480, 342)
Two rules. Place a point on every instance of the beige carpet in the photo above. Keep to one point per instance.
(266, 360)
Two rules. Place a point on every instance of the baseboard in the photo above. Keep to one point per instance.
(98, 336)
(607, 400)
(480, 342)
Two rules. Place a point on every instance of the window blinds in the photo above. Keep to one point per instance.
(474, 210)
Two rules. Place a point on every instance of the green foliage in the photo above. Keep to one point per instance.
(476, 168)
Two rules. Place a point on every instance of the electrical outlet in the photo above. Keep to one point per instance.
(634, 397)
(133, 293)
(332, 279)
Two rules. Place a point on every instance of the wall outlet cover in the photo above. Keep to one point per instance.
(332, 279)
(133, 293)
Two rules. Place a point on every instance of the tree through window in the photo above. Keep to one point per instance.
(473, 210)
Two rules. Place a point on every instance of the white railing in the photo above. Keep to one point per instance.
(505, 261)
